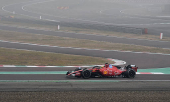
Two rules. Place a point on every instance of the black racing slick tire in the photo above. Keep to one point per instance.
(86, 74)
(131, 73)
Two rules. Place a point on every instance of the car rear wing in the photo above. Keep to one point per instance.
(134, 67)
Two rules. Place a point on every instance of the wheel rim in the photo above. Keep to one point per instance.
(86, 74)
(132, 73)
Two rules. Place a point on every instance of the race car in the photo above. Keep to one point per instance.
(105, 71)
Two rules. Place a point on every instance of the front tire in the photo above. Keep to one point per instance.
(86, 74)
(68, 72)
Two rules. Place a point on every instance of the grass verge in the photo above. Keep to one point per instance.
(21, 57)
(86, 31)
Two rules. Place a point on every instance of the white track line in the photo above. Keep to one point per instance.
(91, 34)
(83, 19)
(77, 33)
(83, 48)
(3, 8)
(63, 16)
(23, 8)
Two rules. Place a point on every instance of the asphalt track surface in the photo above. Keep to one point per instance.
(130, 13)
(151, 43)
(143, 60)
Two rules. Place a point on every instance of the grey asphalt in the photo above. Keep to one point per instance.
(45, 82)
(160, 44)
(142, 60)
(102, 12)
(138, 77)
(82, 86)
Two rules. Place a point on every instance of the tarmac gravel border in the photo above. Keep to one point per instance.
(86, 96)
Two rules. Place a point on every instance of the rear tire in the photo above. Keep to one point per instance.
(86, 74)
(131, 73)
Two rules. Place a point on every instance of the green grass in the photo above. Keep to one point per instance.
(21, 57)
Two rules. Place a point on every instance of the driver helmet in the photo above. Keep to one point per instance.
(79, 68)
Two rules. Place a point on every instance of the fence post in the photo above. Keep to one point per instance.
(161, 35)
(146, 31)
(58, 27)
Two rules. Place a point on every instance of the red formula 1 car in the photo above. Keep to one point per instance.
(106, 71)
